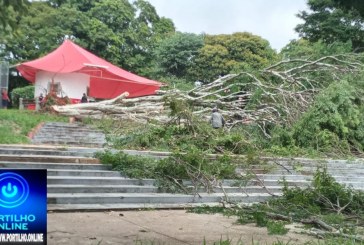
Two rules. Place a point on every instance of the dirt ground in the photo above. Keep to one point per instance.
(175, 227)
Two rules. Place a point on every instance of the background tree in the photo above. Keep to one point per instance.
(332, 21)
(304, 49)
(349, 5)
(116, 30)
(176, 54)
(222, 54)
(10, 11)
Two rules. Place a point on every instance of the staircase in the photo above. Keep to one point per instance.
(77, 181)
(68, 134)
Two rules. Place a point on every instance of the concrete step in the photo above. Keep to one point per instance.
(79, 180)
(68, 127)
(298, 166)
(101, 189)
(71, 143)
(315, 164)
(65, 132)
(64, 166)
(47, 159)
(48, 152)
(48, 127)
(86, 180)
(69, 134)
(310, 160)
(80, 150)
(302, 170)
(340, 178)
(122, 206)
(150, 189)
(83, 173)
(158, 198)
(70, 137)
(74, 183)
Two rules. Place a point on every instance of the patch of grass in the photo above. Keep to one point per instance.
(16, 124)
(260, 219)
(335, 241)
(276, 228)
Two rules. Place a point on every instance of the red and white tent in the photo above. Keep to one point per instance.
(79, 71)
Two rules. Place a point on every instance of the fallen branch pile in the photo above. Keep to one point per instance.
(278, 94)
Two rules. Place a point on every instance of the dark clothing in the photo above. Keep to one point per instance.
(84, 99)
(217, 120)
(5, 99)
(4, 103)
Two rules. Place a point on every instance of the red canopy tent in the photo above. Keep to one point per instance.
(106, 80)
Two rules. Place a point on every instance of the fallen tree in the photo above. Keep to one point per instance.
(138, 109)
(278, 94)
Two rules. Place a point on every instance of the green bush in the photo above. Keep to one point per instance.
(335, 121)
(131, 166)
(24, 92)
(276, 228)
(325, 196)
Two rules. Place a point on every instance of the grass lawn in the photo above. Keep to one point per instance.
(16, 124)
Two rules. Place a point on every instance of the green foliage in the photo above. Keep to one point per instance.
(177, 83)
(15, 124)
(260, 219)
(10, 10)
(324, 197)
(182, 138)
(331, 22)
(276, 228)
(122, 32)
(176, 53)
(131, 166)
(171, 171)
(222, 54)
(350, 5)
(302, 48)
(23, 92)
(334, 121)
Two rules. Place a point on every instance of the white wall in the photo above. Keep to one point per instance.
(73, 84)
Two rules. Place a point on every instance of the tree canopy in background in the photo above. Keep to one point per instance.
(333, 21)
(176, 54)
(123, 33)
(349, 5)
(15, 8)
(304, 49)
(222, 54)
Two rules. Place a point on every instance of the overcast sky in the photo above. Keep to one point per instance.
(273, 20)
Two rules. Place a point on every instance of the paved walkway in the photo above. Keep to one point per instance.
(156, 227)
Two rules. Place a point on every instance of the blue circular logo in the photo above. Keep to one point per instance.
(14, 190)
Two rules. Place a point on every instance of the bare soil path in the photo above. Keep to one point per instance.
(175, 227)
